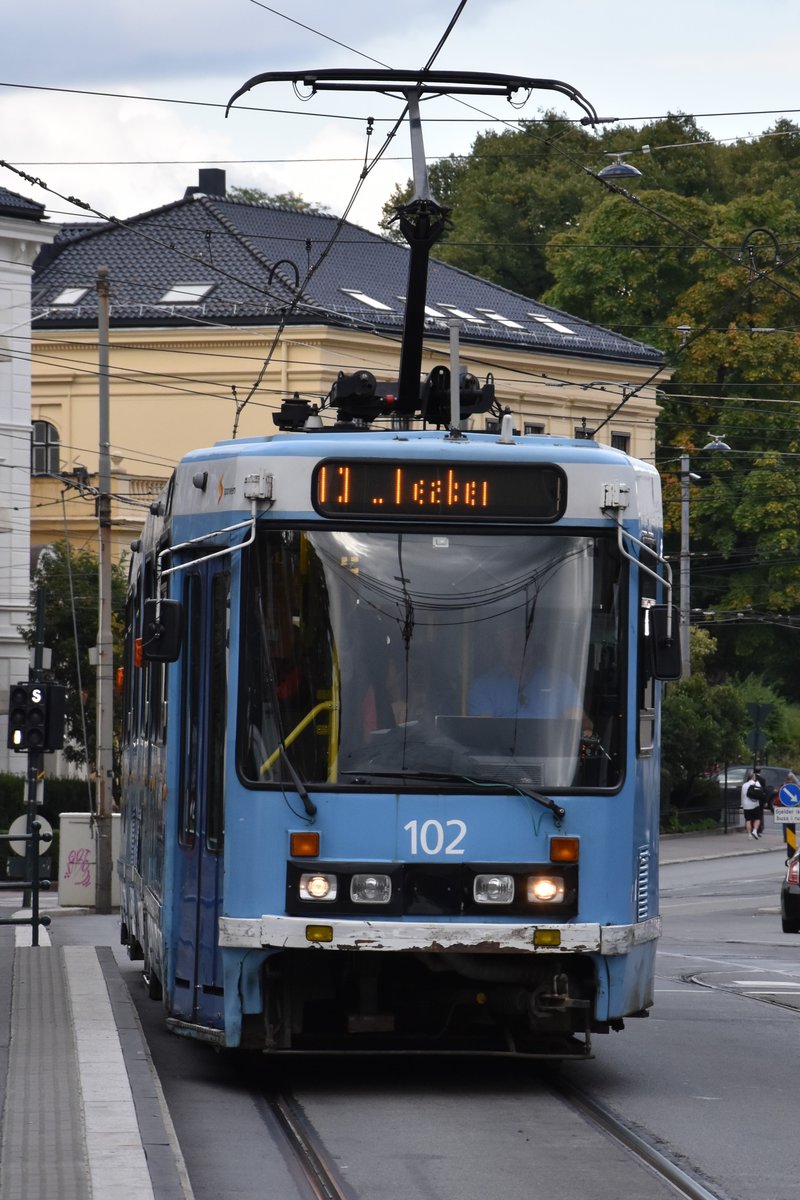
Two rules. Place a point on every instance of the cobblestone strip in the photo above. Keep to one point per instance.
(43, 1151)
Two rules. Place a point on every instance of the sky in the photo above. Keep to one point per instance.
(172, 65)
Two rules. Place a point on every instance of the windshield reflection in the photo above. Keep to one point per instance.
(485, 656)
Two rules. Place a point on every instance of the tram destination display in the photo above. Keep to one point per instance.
(489, 491)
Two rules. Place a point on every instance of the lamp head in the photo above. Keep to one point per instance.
(618, 168)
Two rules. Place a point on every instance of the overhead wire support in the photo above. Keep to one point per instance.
(434, 83)
(423, 220)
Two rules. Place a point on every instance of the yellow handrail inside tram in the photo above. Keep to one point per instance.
(295, 733)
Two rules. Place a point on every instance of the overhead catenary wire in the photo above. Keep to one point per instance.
(626, 397)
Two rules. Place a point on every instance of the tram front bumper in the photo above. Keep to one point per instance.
(299, 933)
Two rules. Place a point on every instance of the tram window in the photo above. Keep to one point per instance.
(155, 714)
(363, 651)
(192, 694)
(647, 683)
(289, 662)
(127, 693)
(218, 699)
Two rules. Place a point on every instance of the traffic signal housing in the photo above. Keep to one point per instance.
(36, 717)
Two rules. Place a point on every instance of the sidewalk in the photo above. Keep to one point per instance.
(716, 843)
(83, 1116)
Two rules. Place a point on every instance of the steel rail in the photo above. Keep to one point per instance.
(637, 1146)
(306, 1148)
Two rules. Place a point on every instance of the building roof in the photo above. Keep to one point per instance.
(207, 259)
(14, 205)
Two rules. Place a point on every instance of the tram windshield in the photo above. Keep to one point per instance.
(373, 659)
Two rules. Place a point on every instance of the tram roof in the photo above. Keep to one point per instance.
(206, 258)
(416, 444)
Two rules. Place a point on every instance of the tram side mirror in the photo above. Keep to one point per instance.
(665, 647)
(163, 630)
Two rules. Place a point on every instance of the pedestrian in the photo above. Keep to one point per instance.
(753, 796)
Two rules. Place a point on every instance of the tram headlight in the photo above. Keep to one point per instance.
(493, 889)
(545, 889)
(316, 886)
(371, 889)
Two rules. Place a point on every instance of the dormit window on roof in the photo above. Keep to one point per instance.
(70, 295)
(248, 255)
(363, 298)
(186, 293)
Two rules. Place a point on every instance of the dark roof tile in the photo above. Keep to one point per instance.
(14, 205)
(256, 256)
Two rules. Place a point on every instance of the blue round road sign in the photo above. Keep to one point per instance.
(789, 795)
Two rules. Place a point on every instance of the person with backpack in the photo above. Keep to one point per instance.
(753, 796)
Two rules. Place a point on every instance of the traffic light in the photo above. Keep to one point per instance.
(36, 717)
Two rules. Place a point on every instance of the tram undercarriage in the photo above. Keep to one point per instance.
(424, 1002)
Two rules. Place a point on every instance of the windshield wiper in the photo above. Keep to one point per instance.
(447, 777)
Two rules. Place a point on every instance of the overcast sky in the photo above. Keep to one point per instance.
(634, 60)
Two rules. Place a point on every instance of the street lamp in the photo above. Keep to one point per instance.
(686, 478)
(618, 169)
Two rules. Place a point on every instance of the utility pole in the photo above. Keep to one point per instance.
(105, 647)
(685, 562)
(35, 758)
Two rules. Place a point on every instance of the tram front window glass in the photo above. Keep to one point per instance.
(370, 657)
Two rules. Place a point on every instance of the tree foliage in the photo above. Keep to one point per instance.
(69, 579)
(252, 195)
(702, 724)
(699, 257)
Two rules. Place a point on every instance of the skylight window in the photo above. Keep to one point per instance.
(501, 320)
(186, 293)
(71, 295)
(430, 311)
(551, 324)
(460, 312)
(363, 298)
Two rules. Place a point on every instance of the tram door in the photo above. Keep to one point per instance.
(197, 892)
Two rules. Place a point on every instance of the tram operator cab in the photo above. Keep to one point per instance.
(409, 782)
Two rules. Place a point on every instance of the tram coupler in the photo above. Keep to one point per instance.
(559, 1000)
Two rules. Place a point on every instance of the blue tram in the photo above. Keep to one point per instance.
(391, 770)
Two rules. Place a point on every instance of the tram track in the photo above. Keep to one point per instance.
(635, 1145)
(305, 1147)
(308, 1154)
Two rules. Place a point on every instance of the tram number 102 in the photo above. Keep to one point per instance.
(433, 837)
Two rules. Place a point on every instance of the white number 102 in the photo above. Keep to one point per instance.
(429, 837)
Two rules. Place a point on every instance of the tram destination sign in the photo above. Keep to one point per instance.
(381, 488)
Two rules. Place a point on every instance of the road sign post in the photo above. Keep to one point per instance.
(787, 812)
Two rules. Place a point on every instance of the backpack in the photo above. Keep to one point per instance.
(756, 792)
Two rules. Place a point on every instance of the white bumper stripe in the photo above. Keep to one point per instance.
(289, 933)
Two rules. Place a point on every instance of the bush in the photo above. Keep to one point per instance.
(700, 808)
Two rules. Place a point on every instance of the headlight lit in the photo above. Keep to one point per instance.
(371, 889)
(317, 887)
(545, 889)
(493, 889)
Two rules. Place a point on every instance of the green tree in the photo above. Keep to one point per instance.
(704, 241)
(740, 375)
(509, 196)
(69, 579)
(701, 724)
(625, 266)
(279, 200)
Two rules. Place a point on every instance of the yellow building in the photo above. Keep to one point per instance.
(221, 309)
